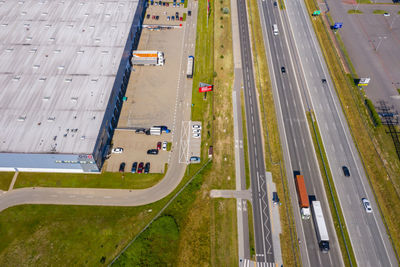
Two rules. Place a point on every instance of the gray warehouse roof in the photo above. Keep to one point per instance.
(58, 62)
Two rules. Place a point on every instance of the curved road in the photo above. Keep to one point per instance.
(124, 197)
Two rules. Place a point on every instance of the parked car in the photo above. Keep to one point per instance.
(195, 159)
(275, 198)
(117, 150)
(140, 131)
(157, 17)
(164, 145)
(196, 130)
(168, 18)
(177, 14)
(196, 135)
(158, 145)
(177, 17)
(163, 3)
(196, 126)
(283, 70)
(134, 167)
(147, 167)
(155, 4)
(140, 168)
(153, 17)
(189, 13)
(367, 205)
(152, 152)
(167, 4)
(181, 19)
(122, 167)
(148, 16)
(151, 3)
(159, 3)
(177, 4)
(172, 18)
(174, 5)
(346, 171)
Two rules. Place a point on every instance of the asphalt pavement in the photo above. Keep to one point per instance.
(367, 233)
(299, 153)
(261, 212)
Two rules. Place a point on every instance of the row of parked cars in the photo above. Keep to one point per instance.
(161, 3)
(160, 146)
(136, 168)
(196, 130)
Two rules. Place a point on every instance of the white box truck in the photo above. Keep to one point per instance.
(155, 58)
(320, 226)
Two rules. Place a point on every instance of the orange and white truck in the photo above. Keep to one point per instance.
(155, 58)
(303, 197)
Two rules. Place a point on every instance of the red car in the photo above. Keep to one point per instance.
(140, 168)
(153, 17)
(158, 145)
(180, 18)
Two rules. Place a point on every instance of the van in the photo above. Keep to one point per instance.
(275, 27)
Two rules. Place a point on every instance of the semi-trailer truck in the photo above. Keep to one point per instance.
(189, 71)
(320, 227)
(147, 58)
(303, 197)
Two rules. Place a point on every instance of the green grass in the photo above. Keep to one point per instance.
(398, 89)
(374, 145)
(186, 4)
(282, 4)
(184, 16)
(343, 237)
(5, 180)
(274, 157)
(364, 1)
(157, 246)
(104, 180)
(354, 11)
(169, 146)
(379, 11)
(245, 145)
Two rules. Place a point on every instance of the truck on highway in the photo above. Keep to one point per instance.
(190, 63)
(303, 197)
(155, 58)
(320, 226)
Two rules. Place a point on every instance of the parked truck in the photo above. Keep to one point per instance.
(303, 197)
(320, 227)
(189, 71)
(155, 58)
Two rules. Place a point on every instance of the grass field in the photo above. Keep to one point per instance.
(245, 145)
(343, 237)
(354, 11)
(379, 11)
(374, 145)
(103, 180)
(5, 180)
(274, 157)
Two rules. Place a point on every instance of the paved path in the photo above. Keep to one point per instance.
(13, 181)
(125, 197)
(244, 194)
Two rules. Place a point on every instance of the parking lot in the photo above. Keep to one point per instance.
(151, 97)
(167, 15)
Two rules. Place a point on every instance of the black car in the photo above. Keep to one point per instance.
(147, 167)
(189, 13)
(323, 80)
(275, 4)
(134, 167)
(152, 151)
(163, 3)
(159, 3)
(157, 17)
(177, 14)
(283, 70)
(346, 171)
(148, 16)
(122, 167)
(275, 198)
(141, 130)
(177, 17)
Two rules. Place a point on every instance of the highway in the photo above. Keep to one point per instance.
(261, 219)
(299, 153)
(367, 233)
(126, 197)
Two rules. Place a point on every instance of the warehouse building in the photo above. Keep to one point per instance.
(64, 69)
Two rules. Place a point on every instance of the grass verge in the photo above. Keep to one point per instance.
(342, 234)
(354, 11)
(375, 147)
(104, 180)
(274, 156)
(5, 180)
(364, 2)
(245, 145)
(251, 231)
(379, 11)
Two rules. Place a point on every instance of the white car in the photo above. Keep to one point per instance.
(196, 130)
(386, 14)
(196, 135)
(164, 145)
(367, 205)
(117, 150)
(196, 126)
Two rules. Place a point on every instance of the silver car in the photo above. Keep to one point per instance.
(367, 205)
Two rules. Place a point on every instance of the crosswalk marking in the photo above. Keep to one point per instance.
(250, 263)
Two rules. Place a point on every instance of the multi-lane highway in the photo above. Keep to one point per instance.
(367, 233)
(297, 144)
(261, 219)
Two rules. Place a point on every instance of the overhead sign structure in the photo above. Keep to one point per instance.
(204, 87)
(364, 81)
(338, 25)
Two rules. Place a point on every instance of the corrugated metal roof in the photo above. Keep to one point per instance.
(58, 62)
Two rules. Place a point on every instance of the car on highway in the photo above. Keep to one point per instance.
(346, 171)
(386, 14)
(152, 152)
(367, 205)
(134, 167)
(147, 167)
(323, 80)
(283, 70)
(117, 150)
(158, 145)
(189, 13)
(164, 145)
(122, 167)
(275, 4)
(140, 167)
(196, 135)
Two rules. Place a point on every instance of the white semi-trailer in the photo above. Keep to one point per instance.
(155, 58)
(320, 226)
(190, 63)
